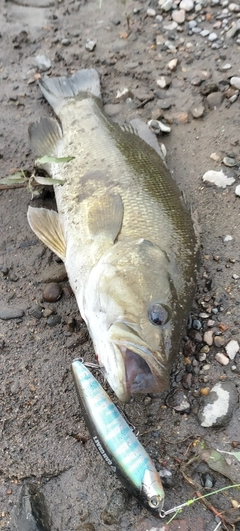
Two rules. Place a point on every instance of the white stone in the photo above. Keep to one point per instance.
(237, 190)
(151, 12)
(234, 7)
(221, 358)
(158, 127)
(218, 178)
(212, 37)
(172, 65)
(227, 238)
(179, 16)
(171, 26)
(235, 82)
(166, 5)
(187, 5)
(232, 348)
(219, 408)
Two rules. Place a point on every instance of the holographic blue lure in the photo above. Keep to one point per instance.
(116, 441)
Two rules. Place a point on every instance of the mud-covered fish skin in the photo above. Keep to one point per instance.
(115, 440)
(123, 232)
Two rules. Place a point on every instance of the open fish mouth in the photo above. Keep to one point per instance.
(140, 376)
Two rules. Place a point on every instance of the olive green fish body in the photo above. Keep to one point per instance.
(127, 238)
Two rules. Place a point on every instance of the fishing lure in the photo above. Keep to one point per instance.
(115, 440)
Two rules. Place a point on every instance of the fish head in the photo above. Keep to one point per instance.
(132, 311)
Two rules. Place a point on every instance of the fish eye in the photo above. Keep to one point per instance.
(159, 314)
(154, 502)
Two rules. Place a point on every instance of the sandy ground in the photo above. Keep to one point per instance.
(43, 439)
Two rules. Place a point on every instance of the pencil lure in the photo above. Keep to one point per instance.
(115, 440)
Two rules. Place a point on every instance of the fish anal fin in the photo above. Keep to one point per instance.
(44, 136)
(47, 226)
(105, 216)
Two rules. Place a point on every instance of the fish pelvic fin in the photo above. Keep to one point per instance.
(48, 227)
(57, 90)
(44, 137)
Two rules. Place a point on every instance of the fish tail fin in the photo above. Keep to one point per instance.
(57, 90)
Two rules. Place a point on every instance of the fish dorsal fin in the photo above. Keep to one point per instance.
(139, 128)
(48, 228)
(44, 136)
(105, 216)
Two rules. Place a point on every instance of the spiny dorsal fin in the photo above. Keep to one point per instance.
(44, 136)
(48, 228)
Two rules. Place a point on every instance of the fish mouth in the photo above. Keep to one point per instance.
(137, 367)
(140, 376)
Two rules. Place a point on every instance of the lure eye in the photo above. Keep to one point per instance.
(154, 502)
(159, 314)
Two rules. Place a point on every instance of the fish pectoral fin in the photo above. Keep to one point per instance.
(105, 216)
(44, 136)
(48, 228)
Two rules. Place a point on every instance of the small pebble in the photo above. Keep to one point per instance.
(198, 110)
(43, 63)
(163, 82)
(172, 65)
(187, 5)
(208, 337)
(177, 400)
(54, 320)
(166, 5)
(215, 99)
(221, 358)
(212, 37)
(7, 313)
(228, 238)
(205, 391)
(225, 67)
(232, 348)
(237, 190)
(35, 311)
(219, 341)
(229, 161)
(235, 81)
(90, 46)
(151, 12)
(65, 42)
(178, 15)
(52, 292)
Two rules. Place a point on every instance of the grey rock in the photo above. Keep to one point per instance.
(215, 99)
(177, 400)
(197, 110)
(65, 42)
(35, 311)
(54, 320)
(43, 63)
(11, 312)
(219, 405)
(212, 36)
(204, 33)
